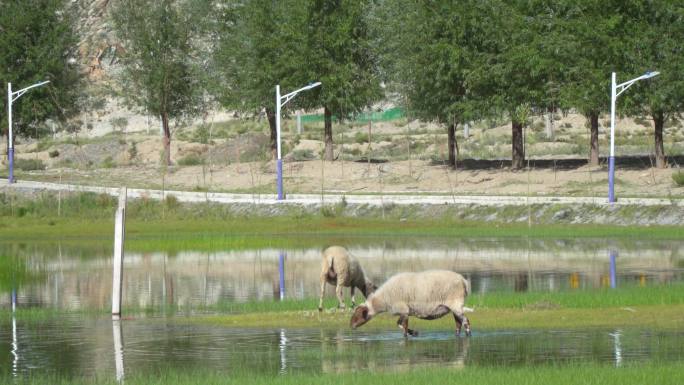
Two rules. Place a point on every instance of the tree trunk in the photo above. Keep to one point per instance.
(328, 135)
(452, 144)
(593, 139)
(518, 155)
(167, 137)
(658, 123)
(271, 116)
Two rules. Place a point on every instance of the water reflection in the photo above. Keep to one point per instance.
(617, 347)
(15, 347)
(191, 279)
(83, 347)
(118, 350)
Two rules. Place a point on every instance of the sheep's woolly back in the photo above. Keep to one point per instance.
(345, 266)
(420, 293)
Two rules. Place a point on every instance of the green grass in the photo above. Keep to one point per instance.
(572, 374)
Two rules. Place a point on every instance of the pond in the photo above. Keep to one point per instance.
(85, 347)
(67, 277)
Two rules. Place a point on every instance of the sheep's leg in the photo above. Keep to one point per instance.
(459, 322)
(340, 294)
(352, 295)
(320, 300)
(403, 324)
(462, 320)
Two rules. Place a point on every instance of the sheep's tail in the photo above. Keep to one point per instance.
(467, 286)
(468, 309)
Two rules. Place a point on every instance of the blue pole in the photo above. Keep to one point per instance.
(281, 271)
(611, 179)
(10, 155)
(613, 277)
(279, 172)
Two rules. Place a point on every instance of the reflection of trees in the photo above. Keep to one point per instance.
(195, 279)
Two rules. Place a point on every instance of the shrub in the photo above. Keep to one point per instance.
(190, 160)
(678, 178)
(300, 155)
(119, 123)
(108, 162)
(53, 153)
(29, 164)
(171, 202)
(133, 151)
(361, 137)
(202, 134)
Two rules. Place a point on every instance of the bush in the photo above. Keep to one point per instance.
(201, 134)
(108, 162)
(678, 178)
(29, 164)
(119, 123)
(53, 153)
(300, 155)
(191, 160)
(361, 137)
(133, 151)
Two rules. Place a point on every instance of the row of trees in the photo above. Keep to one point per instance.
(450, 62)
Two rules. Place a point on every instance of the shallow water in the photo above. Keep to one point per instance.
(68, 277)
(79, 347)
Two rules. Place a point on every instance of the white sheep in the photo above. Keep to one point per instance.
(427, 295)
(341, 269)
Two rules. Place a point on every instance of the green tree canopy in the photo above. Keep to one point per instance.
(260, 44)
(160, 72)
(38, 44)
(339, 53)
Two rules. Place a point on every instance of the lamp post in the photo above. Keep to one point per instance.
(615, 91)
(10, 142)
(281, 101)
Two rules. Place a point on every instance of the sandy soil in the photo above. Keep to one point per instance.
(396, 177)
(553, 175)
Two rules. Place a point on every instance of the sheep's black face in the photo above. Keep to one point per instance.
(359, 317)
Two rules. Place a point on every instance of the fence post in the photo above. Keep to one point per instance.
(117, 268)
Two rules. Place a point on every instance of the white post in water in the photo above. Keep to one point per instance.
(117, 268)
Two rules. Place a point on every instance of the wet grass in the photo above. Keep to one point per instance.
(572, 374)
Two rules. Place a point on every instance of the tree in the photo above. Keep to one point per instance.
(658, 28)
(261, 44)
(428, 59)
(160, 71)
(340, 55)
(38, 43)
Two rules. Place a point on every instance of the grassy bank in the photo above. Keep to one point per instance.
(574, 374)
(170, 225)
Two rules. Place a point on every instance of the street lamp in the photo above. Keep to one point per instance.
(281, 101)
(10, 142)
(615, 91)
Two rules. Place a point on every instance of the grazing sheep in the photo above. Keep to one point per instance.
(427, 295)
(341, 269)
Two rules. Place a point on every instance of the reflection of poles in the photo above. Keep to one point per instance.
(15, 344)
(282, 346)
(613, 277)
(281, 271)
(617, 347)
(118, 350)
